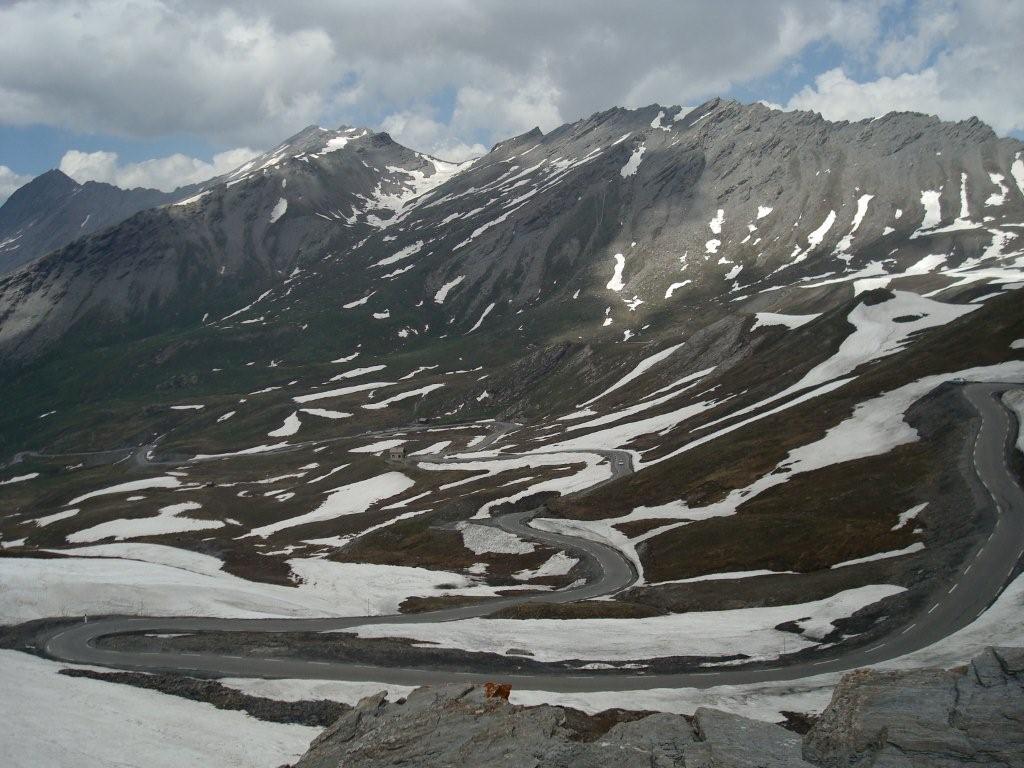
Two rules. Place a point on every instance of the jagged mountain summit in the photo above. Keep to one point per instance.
(53, 209)
(244, 231)
(651, 208)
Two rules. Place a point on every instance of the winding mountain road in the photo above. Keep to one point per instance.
(979, 582)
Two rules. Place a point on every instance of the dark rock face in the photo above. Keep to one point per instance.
(459, 725)
(204, 249)
(53, 210)
(932, 717)
(973, 715)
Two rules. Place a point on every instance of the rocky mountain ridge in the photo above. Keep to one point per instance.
(54, 210)
(647, 211)
(176, 264)
(973, 715)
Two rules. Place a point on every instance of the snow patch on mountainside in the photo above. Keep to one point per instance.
(917, 546)
(156, 580)
(1017, 171)
(750, 631)
(559, 564)
(357, 372)
(341, 391)
(168, 520)
(877, 334)
(815, 238)
(642, 367)
(633, 163)
(442, 292)
(326, 414)
(347, 500)
(932, 212)
(280, 207)
(167, 481)
(404, 253)
(997, 198)
(289, 427)
(482, 539)
(843, 248)
(1014, 400)
(421, 392)
(357, 303)
(616, 284)
(768, 319)
(483, 316)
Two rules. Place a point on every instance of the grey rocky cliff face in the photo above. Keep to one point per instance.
(968, 716)
(704, 208)
(54, 210)
(171, 265)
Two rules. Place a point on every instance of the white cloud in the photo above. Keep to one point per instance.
(10, 181)
(838, 97)
(512, 106)
(147, 68)
(450, 76)
(908, 52)
(507, 107)
(254, 72)
(418, 130)
(166, 173)
(972, 53)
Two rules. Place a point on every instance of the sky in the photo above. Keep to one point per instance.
(161, 93)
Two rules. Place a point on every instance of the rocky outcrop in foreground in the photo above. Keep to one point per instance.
(972, 715)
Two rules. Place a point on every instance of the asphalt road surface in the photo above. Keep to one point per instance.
(957, 604)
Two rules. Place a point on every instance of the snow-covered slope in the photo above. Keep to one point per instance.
(768, 313)
(95, 724)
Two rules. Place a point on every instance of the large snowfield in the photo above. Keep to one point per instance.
(649, 410)
(749, 631)
(93, 724)
(1001, 625)
(49, 720)
(150, 579)
(108, 724)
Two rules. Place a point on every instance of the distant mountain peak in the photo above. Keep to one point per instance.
(50, 182)
(715, 202)
(53, 209)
